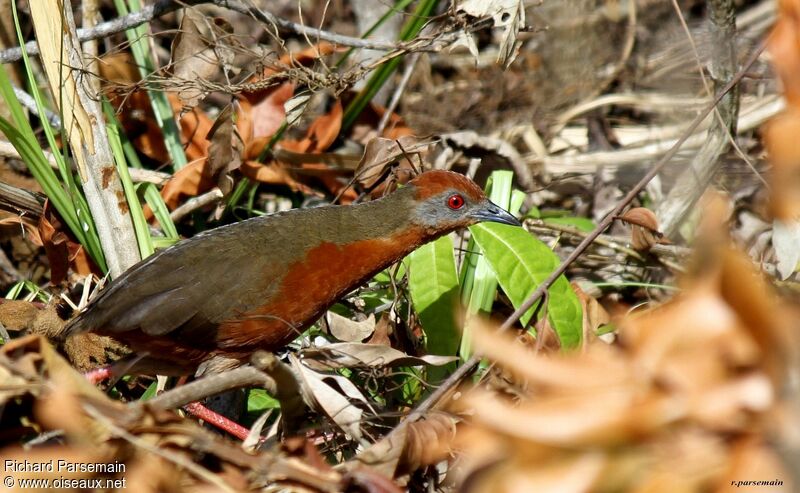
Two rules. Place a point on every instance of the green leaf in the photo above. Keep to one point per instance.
(433, 284)
(140, 226)
(138, 37)
(150, 392)
(521, 263)
(258, 401)
(580, 223)
(478, 280)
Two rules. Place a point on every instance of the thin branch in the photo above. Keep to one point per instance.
(29, 103)
(163, 7)
(210, 385)
(304, 30)
(138, 175)
(195, 203)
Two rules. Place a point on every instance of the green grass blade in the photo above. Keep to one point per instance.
(162, 110)
(66, 196)
(478, 281)
(151, 195)
(140, 226)
(382, 73)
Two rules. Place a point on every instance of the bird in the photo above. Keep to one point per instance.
(208, 302)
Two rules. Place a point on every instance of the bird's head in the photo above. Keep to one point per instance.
(448, 201)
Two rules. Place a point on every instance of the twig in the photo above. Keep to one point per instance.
(20, 201)
(195, 203)
(28, 102)
(607, 241)
(209, 385)
(138, 175)
(304, 30)
(163, 7)
(468, 367)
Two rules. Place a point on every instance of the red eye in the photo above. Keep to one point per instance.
(455, 201)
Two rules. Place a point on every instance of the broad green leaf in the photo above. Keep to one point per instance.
(433, 284)
(521, 263)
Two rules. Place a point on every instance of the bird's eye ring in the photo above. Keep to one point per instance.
(455, 201)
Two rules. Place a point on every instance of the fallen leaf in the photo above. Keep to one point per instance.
(379, 153)
(193, 57)
(325, 399)
(357, 355)
(225, 150)
(644, 228)
(347, 330)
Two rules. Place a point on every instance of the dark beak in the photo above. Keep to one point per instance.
(494, 213)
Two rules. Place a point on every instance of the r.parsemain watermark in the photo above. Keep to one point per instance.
(771, 482)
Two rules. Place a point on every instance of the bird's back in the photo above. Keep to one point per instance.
(247, 284)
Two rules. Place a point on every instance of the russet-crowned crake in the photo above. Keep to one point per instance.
(210, 301)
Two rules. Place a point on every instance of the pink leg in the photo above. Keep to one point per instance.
(217, 420)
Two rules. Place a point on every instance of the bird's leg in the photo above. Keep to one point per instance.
(195, 408)
(217, 420)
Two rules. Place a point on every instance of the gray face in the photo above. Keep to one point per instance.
(453, 209)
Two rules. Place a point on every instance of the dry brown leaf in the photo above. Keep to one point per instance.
(132, 104)
(428, 442)
(62, 251)
(781, 132)
(784, 46)
(382, 330)
(644, 228)
(358, 355)
(379, 153)
(594, 315)
(268, 113)
(780, 137)
(225, 150)
(193, 56)
(327, 400)
(346, 330)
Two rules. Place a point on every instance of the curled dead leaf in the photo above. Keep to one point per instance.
(644, 228)
(379, 153)
(357, 355)
(428, 442)
(347, 330)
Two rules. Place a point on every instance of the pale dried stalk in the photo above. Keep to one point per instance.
(84, 125)
(694, 180)
(589, 162)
